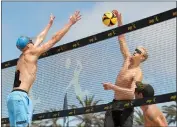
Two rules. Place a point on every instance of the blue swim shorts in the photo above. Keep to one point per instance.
(20, 109)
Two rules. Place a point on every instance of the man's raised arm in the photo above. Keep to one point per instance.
(121, 38)
(42, 35)
(59, 35)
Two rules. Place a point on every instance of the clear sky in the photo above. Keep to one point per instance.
(29, 18)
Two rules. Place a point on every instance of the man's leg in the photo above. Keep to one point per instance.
(108, 122)
(11, 114)
(30, 111)
(117, 117)
(128, 117)
(17, 111)
(10, 109)
(20, 113)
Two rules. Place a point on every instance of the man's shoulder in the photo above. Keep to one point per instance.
(28, 55)
(31, 52)
(153, 107)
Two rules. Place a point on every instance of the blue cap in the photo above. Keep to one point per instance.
(22, 42)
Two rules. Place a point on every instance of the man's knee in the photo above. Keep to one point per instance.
(108, 122)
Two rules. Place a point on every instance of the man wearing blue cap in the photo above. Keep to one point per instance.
(18, 103)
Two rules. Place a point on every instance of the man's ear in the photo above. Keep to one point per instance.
(142, 58)
(27, 45)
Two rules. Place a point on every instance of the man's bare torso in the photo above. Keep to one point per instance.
(151, 114)
(27, 65)
(124, 79)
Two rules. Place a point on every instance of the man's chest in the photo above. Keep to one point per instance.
(127, 74)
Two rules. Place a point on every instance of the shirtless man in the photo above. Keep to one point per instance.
(18, 103)
(124, 86)
(152, 115)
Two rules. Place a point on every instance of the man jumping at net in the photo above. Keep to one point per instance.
(18, 103)
(152, 115)
(124, 86)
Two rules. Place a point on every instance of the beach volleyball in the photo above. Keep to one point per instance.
(109, 19)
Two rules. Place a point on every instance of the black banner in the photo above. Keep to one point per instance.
(104, 107)
(105, 35)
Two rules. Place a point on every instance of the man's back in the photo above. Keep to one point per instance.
(26, 71)
(154, 117)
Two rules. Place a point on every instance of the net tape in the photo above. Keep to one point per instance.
(93, 39)
(104, 107)
(104, 35)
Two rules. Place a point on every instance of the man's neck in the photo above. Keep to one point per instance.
(134, 64)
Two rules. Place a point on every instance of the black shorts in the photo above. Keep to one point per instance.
(123, 118)
(119, 118)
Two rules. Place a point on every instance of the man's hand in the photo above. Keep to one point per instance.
(52, 17)
(119, 17)
(75, 17)
(108, 86)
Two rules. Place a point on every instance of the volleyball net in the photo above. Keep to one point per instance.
(69, 76)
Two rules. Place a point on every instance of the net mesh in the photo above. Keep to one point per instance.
(81, 71)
